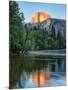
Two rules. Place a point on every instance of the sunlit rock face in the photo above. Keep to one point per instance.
(39, 17)
(42, 21)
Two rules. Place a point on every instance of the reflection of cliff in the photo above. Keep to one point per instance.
(39, 78)
(39, 17)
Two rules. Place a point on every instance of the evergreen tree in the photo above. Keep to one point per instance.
(16, 21)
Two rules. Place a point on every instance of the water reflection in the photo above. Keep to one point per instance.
(40, 78)
(30, 71)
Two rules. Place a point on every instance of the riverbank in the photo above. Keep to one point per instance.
(62, 51)
(48, 52)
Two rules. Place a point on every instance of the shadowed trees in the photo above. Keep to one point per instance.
(16, 21)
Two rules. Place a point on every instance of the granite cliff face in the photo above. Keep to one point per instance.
(51, 24)
(43, 21)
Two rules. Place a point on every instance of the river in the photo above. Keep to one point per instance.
(38, 69)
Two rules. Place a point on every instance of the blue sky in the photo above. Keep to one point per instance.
(30, 8)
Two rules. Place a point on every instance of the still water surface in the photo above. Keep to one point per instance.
(28, 71)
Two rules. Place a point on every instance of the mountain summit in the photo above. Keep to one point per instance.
(42, 21)
(39, 17)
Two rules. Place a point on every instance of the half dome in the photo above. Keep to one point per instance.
(39, 17)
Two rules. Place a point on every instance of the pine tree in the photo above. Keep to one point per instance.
(16, 21)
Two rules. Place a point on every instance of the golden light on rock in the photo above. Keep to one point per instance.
(39, 78)
(39, 17)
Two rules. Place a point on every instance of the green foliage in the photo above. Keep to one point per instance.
(23, 39)
(16, 20)
(41, 39)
